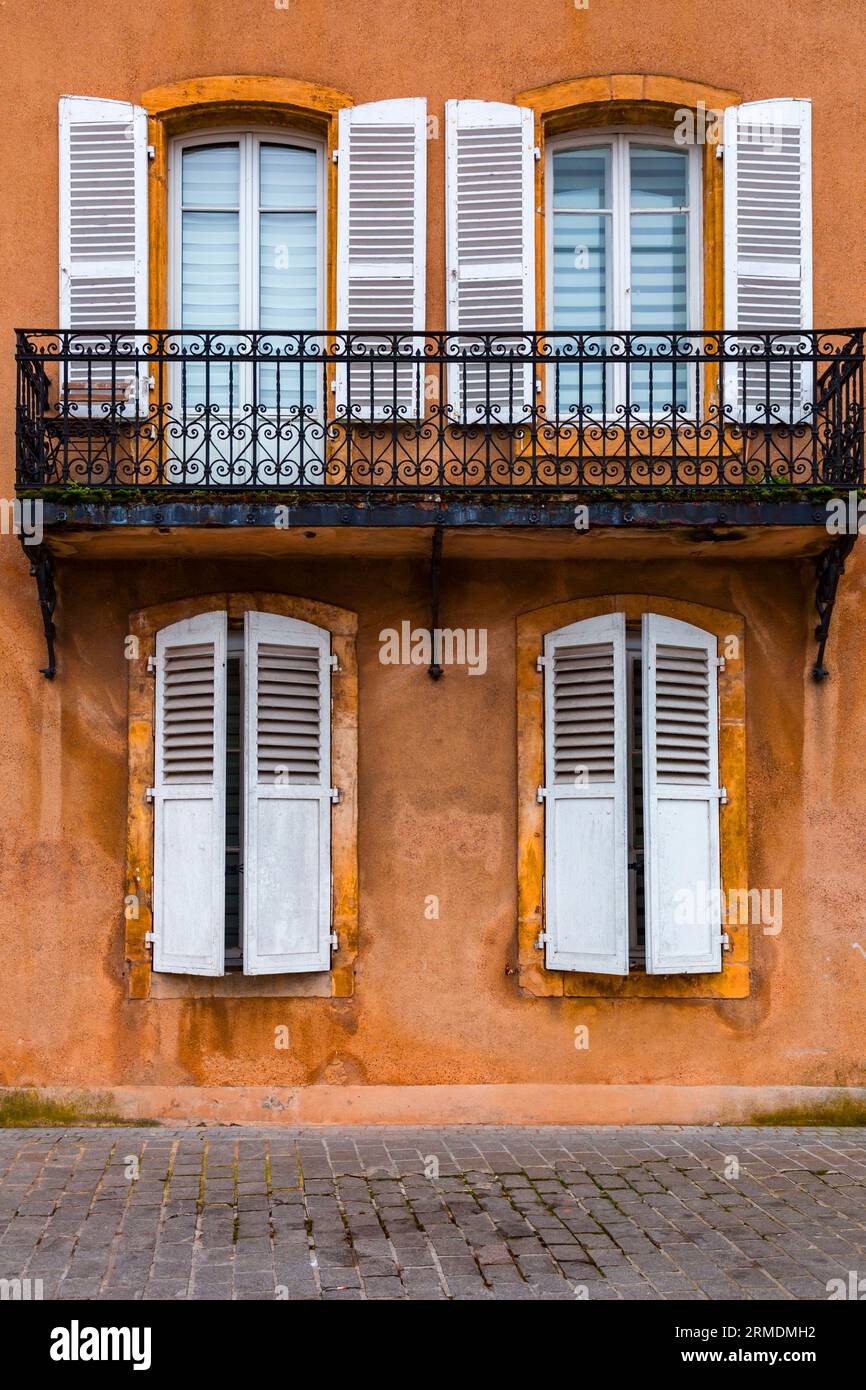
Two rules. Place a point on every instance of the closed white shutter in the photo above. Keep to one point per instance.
(381, 254)
(189, 797)
(681, 798)
(490, 220)
(103, 249)
(287, 813)
(768, 252)
(585, 797)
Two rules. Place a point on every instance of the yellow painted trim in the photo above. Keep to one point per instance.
(343, 627)
(733, 980)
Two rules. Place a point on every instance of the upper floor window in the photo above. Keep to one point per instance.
(247, 248)
(624, 254)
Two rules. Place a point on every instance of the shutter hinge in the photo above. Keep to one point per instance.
(334, 794)
(335, 156)
(334, 663)
(536, 150)
(725, 941)
(541, 941)
(151, 663)
(541, 662)
(151, 152)
(720, 151)
(335, 941)
(723, 796)
(720, 662)
(149, 938)
(150, 793)
(540, 794)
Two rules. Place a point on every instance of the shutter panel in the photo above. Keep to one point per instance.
(681, 798)
(586, 815)
(768, 250)
(103, 248)
(490, 218)
(189, 797)
(287, 820)
(381, 253)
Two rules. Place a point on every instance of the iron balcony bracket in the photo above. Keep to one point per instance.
(829, 568)
(42, 570)
(434, 670)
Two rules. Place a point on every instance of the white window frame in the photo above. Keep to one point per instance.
(620, 139)
(249, 140)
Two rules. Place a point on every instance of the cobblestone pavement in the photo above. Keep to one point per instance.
(259, 1213)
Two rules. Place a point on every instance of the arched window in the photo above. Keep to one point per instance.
(623, 254)
(246, 250)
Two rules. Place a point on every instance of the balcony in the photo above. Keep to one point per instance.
(159, 416)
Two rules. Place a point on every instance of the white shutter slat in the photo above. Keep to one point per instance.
(381, 252)
(189, 797)
(681, 798)
(287, 819)
(586, 807)
(490, 221)
(103, 248)
(768, 250)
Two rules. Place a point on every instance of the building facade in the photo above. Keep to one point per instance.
(428, 477)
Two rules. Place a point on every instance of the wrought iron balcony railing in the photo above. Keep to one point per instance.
(438, 412)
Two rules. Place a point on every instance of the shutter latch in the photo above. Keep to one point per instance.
(540, 794)
(150, 793)
(334, 794)
(541, 941)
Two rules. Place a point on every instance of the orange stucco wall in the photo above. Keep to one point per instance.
(433, 1004)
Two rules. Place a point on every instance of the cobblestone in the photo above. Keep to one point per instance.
(464, 1213)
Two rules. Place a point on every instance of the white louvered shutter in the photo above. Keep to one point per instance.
(287, 815)
(681, 798)
(103, 249)
(381, 254)
(490, 221)
(189, 797)
(585, 797)
(768, 251)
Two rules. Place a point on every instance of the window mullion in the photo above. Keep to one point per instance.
(622, 257)
(249, 251)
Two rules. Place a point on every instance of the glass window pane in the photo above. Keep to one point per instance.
(581, 178)
(210, 273)
(659, 271)
(287, 280)
(288, 301)
(211, 176)
(659, 178)
(660, 303)
(287, 177)
(210, 299)
(581, 258)
(580, 271)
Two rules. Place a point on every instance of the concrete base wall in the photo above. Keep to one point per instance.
(456, 1105)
